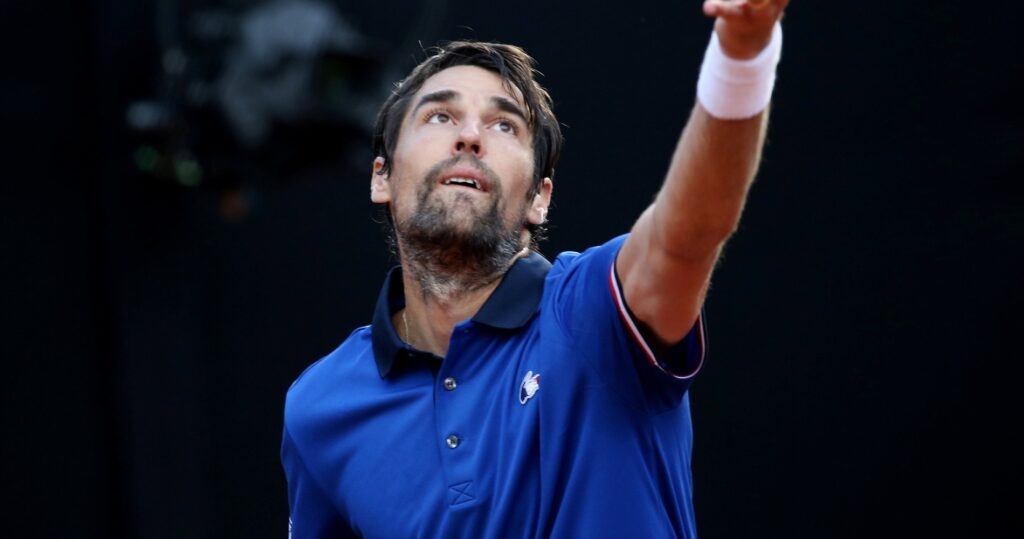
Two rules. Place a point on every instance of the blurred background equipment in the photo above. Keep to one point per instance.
(254, 94)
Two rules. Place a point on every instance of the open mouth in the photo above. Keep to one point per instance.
(465, 182)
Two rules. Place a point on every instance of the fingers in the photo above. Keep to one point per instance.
(744, 27)
(738, 8)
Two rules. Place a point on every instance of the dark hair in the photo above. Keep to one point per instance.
(516, 69)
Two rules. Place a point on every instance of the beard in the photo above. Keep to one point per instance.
(447, 254)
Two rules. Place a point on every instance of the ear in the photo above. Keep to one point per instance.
(538, 213)
(380, 192)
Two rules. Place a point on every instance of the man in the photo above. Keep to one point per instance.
(496, 394)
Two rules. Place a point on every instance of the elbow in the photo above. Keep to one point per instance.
(718, 233)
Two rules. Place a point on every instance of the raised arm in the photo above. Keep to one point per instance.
(665, 266)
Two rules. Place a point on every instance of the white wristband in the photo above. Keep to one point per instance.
(738, 89)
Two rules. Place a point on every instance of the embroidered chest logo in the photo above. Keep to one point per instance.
(529, 387)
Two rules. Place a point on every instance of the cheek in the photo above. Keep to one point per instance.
(424, 142)
(401, 190)
(522, 178)
(514, 159)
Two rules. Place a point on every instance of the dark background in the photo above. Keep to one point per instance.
(165, 281)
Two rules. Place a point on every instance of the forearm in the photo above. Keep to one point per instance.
(717, 156)
(666, 265)
(710, 173)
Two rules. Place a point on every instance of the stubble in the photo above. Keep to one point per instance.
(449, 256)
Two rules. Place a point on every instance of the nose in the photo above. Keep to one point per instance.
(468, 140)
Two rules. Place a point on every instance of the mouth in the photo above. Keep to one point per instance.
(467, 177)
(465, 182)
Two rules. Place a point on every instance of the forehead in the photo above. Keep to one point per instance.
(469, 82)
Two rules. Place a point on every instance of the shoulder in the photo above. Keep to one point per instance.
(598, 258)
(577, 292)
(350, 361)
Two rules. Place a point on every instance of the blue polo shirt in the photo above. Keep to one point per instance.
(549, 417)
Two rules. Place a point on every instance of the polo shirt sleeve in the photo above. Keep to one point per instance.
(590, 308)
(311, 513)
(681, 360)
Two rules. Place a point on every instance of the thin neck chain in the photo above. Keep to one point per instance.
(405, 321)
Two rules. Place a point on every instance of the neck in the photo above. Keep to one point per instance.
(435, 301)
(445, 286)
(447, 275)
(428, 320)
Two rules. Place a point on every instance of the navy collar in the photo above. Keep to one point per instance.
(510, 306)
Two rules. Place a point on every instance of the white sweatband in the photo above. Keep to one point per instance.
(733, 89)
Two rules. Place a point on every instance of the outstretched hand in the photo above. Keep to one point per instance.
(744, 27)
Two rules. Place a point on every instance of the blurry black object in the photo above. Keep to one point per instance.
(267, 93)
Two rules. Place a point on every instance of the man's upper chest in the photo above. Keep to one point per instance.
(431, 441)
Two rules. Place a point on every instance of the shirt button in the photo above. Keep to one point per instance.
(450, 384)
(452, 441)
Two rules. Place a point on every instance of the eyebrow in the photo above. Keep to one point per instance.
(440, 96)
(506, 105)
(503, 104)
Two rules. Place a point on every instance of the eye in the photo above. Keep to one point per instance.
(506, 126)
(438, 117)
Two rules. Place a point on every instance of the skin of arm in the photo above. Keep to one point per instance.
(665, 266)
